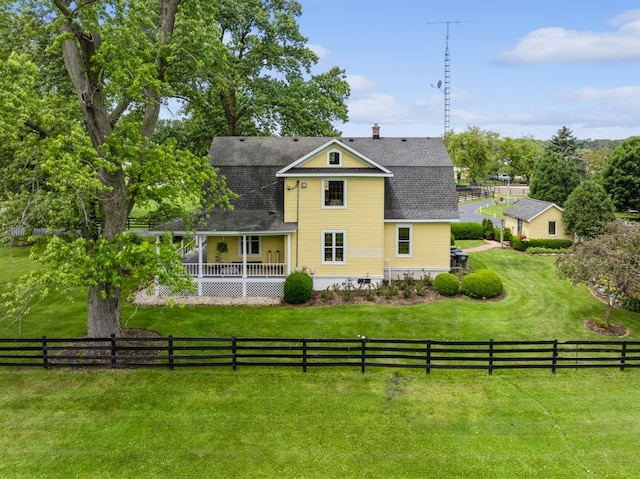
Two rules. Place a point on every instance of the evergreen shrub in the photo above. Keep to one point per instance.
(484, 283)
(298, 288)
(446, 284)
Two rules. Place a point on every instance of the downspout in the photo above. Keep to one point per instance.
(297, 220)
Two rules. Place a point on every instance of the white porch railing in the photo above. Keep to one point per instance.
(234, 270)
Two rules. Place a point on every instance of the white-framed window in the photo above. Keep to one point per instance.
(334, 158)
(404, 237)
(254, 246)
(553, 226)
(334, 246)
(335, 193)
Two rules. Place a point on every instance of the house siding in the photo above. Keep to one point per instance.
(538, 228)
(362, 221)
(430, 250)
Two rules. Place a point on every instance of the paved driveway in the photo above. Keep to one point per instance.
(469, 212)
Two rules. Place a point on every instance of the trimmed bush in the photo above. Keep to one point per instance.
(517, 244)
(467, 230)
(298, 288)
(446, 284)
(482, 284)
(549, 243)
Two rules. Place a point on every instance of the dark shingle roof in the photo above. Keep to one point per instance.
(527, 209)
(421, 188)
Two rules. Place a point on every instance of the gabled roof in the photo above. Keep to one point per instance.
(418, 176)
(294, 169)
(527, 209)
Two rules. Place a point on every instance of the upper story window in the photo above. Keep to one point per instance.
(335, 193)
(334, 158)
(403, 240)
(552, 228)
(253, 246)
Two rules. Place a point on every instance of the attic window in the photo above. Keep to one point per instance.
(333, 158)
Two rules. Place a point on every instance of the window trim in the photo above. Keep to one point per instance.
(249, 240)
(409, 241)
(333, 246)
(330, 153)
(555, 228)
(325, 188)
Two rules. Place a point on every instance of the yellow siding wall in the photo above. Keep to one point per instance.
(273, 243)
(347, 160)
(539, 227)
(362, 220)
(430, 246)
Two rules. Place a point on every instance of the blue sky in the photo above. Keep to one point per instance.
(517, 68)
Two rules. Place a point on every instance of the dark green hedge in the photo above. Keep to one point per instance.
(467, 230)
(549, 243)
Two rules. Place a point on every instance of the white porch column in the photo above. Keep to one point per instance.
(289, 254)
(200, 272)
(156, 288)
(244, 256)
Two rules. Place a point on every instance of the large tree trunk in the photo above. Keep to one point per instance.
(103, 313)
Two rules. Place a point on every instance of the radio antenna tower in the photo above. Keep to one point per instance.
(447, 76)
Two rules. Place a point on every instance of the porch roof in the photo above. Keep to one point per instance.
(231, 222)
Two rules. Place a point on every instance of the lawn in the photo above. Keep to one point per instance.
(327, 423)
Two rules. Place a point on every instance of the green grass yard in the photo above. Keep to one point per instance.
(281, 423)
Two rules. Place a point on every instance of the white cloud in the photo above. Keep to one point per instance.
(319, 50)
(559, 45)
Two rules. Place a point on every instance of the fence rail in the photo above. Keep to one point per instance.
(304, 353)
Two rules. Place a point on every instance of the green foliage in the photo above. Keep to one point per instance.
(631, 302)
(610, 261)
(621, 175)
(472, 149)
(541, 250)
(516, 243)
(506, 234)
(446, 284)
(553, 178)
(588, 209)
(488, 228)
(298, 287)
(548, 243)
(467, 230)
(484, 283)
(519, 154)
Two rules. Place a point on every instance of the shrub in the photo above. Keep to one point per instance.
(298, 288)
(467, 230)
(446, 284)
(482, 284)
(488, 228)
(538, 250)
(549, 243)
(631, 302)
(517, 243)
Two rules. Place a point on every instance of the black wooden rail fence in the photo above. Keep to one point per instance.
(174, 352)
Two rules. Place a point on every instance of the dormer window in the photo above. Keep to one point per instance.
(334, 158)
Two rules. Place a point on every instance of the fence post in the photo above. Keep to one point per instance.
(428, 356)
(170, 351)
(233, 353)
(113, 350)
(363, 354)
(554, 361)
(491, 356)
(45, 359)
(623, 356)
(304, 355)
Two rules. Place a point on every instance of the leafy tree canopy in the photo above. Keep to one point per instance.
(610, 261)
(621, 175)
(473, 149)
(553, 178)
(588, 210)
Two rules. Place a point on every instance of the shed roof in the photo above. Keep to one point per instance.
(527, 209)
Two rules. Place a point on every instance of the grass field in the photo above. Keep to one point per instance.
(329, 423)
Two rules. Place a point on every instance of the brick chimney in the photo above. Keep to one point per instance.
(376, 131)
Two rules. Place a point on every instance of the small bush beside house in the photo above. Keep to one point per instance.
(446, 284)
(482, 284)
(298, 288)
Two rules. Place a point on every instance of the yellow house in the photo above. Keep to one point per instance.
(536, 219)
(344, 210)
